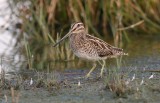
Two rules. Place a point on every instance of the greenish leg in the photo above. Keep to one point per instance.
(94, 66)
(104, 63)
(100, 62)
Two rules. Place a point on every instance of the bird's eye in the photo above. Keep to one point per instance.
(78, 25)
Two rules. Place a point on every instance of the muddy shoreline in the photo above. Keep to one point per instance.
(68, 87)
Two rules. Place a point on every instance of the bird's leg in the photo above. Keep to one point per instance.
(104, 63)
(100, 62)
(94, 66)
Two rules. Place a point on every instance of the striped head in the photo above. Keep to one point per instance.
(76, 28)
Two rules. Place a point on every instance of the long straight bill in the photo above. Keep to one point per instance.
(61, 39)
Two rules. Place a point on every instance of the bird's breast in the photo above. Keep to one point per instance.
(82, 48)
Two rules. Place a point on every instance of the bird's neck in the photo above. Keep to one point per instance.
(76, 36)
(76, 39)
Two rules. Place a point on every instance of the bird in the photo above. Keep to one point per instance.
(89, 47)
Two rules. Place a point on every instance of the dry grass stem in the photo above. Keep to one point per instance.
(131, 26)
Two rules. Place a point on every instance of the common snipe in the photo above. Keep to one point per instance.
(89, 47)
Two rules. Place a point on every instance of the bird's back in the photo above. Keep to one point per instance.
(104, 50)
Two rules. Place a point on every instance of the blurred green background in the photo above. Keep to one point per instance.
(46, 21)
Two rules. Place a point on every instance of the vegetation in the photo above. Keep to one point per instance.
(45, 21)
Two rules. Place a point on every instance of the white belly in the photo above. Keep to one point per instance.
(92, 57)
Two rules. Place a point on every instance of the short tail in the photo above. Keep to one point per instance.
(124, 54)
(118, 51)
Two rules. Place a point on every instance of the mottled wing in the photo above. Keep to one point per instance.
(103, 49)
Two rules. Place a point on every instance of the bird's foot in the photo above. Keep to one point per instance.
(87, 76)
(101, 75)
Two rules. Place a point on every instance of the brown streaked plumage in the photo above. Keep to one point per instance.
(89, 47)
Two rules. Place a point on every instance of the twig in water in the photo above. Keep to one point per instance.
(133, 78)
(6, 100)
(151, 76)
(31, 82)
(142, 81)
(12, 94)
(79, 83)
